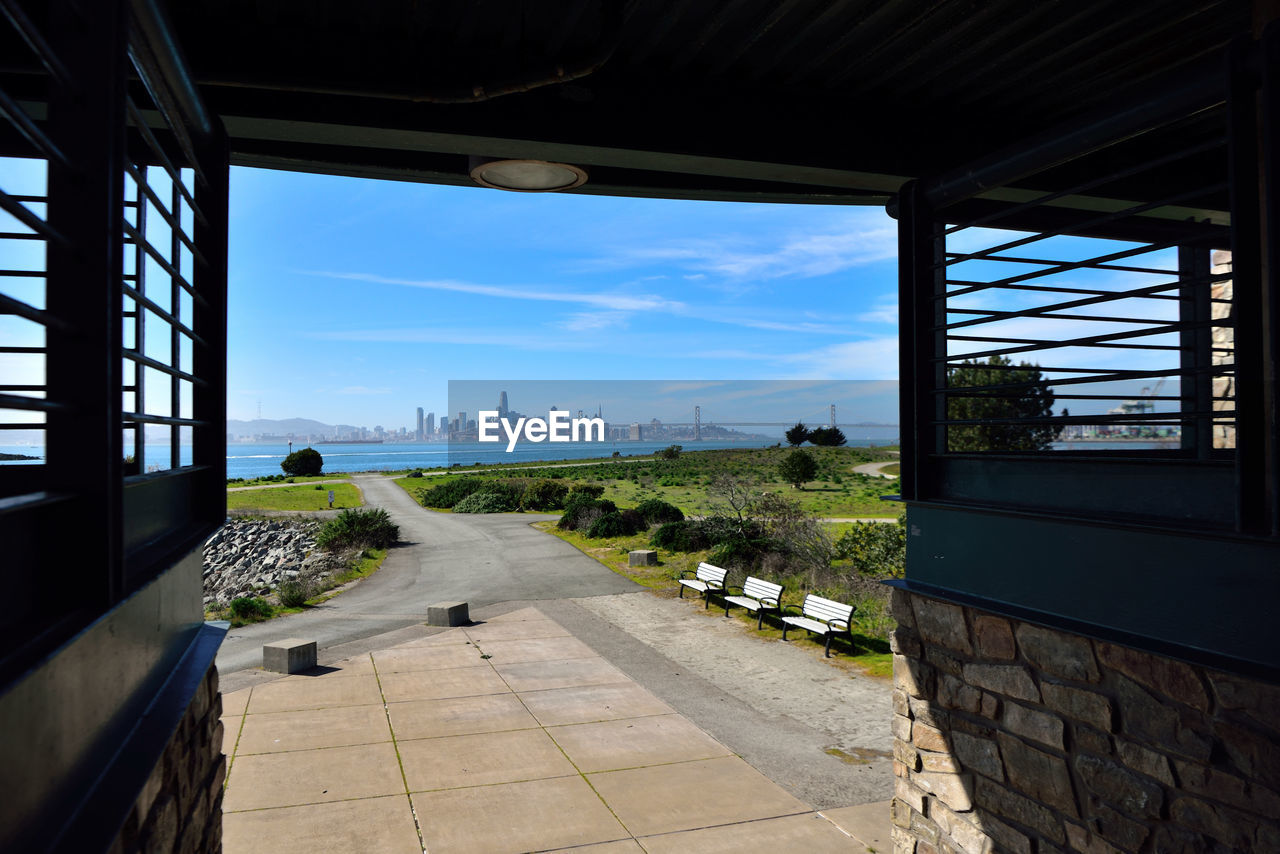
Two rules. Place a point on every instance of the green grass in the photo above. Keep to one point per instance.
(894, 469)
(263, 481)
(869, 654)
(315, 497)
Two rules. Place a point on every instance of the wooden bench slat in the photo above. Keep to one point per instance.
(822, 617)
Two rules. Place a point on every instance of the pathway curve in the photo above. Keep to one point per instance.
(874, 469)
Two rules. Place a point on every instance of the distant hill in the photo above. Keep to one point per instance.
(283, 427)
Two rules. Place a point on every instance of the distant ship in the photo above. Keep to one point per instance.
(350, 442)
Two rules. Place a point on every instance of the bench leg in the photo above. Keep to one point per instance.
(827, 649)
(785, 627)
(706, 600)
(681, 591)
(726, 607)
(759, 619)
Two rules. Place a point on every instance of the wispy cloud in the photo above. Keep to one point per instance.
(592, 321)
(429, 335)
(868, 359)
(361, 389)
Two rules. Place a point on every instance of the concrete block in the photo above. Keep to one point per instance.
(291, 655)
(642, 557)
(448, 614)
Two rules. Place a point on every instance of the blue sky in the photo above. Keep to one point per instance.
(355, 301)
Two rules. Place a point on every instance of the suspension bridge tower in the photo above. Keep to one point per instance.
(697, 423)
(833, 416)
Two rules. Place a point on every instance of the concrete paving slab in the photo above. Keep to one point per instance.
(382, 825)
(536, 649)
(633, 742)
(868, 823)
(516, 630)
(514, 817)
(442, 684)
(230, 732)
(442, 637)
(287, 695)
(458, 716)
(560, 706)
(312, 777)
(426, 657)
(234, 703)
(480, 760)
(518, 615)
(358, 666)
(809, 833)
(277, 732)
(690, 795)
(622, 846)
(543, 675)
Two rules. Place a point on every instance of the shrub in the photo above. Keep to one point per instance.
(415, 473)
(543, 494)
(616, 524)
(670, 452)
(250, 608)
(449, 494)
(486, 502)
(875, 548)
(366, 528)
(590, 490)
(582, 512)
(295, 592)
(657, 512)
(798, 468)
(682, 536)
(306, 461)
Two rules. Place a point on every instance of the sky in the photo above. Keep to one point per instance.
(355, 301)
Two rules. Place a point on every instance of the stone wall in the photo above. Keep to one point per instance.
(180, 808)
(1224, 388)
(1012, 737)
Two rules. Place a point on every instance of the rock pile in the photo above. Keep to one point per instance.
(251, 558)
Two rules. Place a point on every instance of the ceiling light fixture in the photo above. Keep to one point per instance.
(526, 176)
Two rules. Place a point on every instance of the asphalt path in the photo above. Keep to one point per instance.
(478, 559)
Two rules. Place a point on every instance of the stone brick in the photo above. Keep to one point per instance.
(1267, 836)
(1078, 703)
(1256, 755)
(900, 813)
(1145, 761)
(990, 706)
(940, 762)
(1007, 840)
(965, 836)
(944, 661)
(1119, 829)
(1114, 784)
(943, 624)
(901, 728)
(913, 676)
(994, 638)
(1059, 653)
(923, 847)
(1163, 675)
(1196, 779)
(978, 728)
(1004, 802)
(1037, 774)
(1224, 824)
(954, 790)
(900, 607)
(1258, 700)
(903, 841)
(909, 794)
(1080, 839)
(926, 712)
(1145, 719)
(978, 754)
(926, 830)
(1171, 839)
(904, 641)
(901, 702)
(1034, 725)
(1009, 679)
(927, 737)
(906, 754)
(953, 693)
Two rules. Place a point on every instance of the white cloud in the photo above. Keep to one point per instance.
(591, 321)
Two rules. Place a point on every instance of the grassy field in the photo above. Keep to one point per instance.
(314, 497)
(837, 491)
(869, 653)
(263, 481)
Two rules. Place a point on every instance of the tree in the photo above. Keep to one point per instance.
(670, 452)
(797, 435)
(304, 462)
(830, 437)
(1025, 397)
(798, 468)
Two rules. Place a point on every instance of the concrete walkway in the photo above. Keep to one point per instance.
(506, 736)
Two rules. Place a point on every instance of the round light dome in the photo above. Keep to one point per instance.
(527, 176)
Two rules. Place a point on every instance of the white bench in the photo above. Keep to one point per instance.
(757, 595)
(706, 580)
(822, 617)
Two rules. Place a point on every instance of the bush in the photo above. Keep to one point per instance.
(415, 473)
(449, 494)
(543, 494)
(590, 490)
(876, 548)
(295, 592)
(486, 502)
(582, 512)
(798, 468)
(250, 608)
(303, 462)
(670, 452)
(616, 524)
(367, 528)
(682, 536)
(657, 512)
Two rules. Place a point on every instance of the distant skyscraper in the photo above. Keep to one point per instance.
(462, 420)
(431, 423)
(502, 404)
(419, 435)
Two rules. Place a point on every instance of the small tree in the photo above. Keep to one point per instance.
(304, 462)
(670, 452)
(797, 435)
(829, 437)
(1024, 396)
(798, 468)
